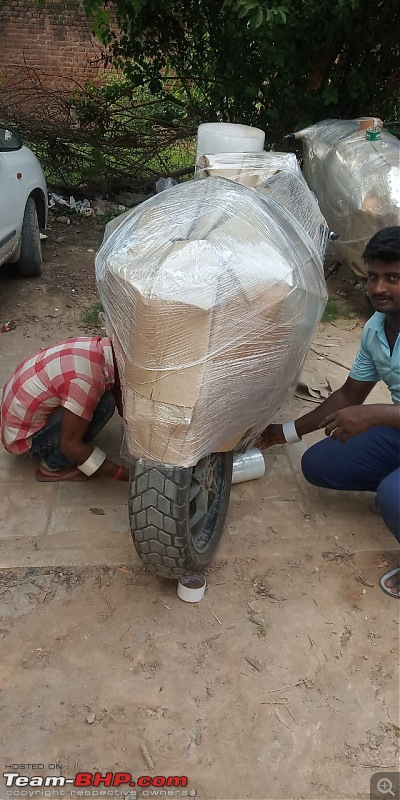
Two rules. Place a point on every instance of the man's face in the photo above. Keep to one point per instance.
(383, 285)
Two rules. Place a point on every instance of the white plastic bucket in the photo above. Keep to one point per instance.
(225, 137)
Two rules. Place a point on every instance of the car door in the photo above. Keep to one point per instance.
(9, 214)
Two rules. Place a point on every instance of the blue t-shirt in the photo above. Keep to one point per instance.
(373, 361)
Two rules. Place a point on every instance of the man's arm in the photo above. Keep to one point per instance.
(352, 393)
(73, 429)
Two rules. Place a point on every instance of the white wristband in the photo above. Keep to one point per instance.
(290, 433)
(93, 463)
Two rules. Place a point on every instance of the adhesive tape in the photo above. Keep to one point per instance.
(191, 588)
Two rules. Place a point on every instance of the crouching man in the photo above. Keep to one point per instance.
(362, 448)
(54, 405)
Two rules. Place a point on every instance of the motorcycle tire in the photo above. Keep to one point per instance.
(177, 514)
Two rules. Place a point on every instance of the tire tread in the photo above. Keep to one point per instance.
(158, 512)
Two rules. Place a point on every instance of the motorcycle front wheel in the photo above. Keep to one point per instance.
(177, 514)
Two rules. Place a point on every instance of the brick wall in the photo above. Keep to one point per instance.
(53, 42)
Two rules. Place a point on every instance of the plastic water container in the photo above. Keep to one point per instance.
(248, 465)
(225, 137)
(373, 134)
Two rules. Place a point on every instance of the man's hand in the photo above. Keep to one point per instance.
(73, 430)
(272, 435)
(350, 421)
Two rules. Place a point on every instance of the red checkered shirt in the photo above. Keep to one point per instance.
(73, 374)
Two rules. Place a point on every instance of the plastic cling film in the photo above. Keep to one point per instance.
(249, 169)
(356, 180)
(212, 293)
(248, 465)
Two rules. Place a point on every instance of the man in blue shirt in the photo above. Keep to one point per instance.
(362, 451)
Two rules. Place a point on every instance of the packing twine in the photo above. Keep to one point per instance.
(353, 241)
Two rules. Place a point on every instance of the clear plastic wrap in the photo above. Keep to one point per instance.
(356, 181)
(212, 292)
(291, 191)
(249, 169)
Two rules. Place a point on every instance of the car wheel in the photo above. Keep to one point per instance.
(30, 261)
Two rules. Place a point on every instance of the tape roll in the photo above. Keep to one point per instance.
(191, 588)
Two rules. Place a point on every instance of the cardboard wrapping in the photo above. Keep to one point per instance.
(356, 181)
(212, 292)
(248, 169)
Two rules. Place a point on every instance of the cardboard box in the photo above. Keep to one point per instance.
(248, 169)
(174, 415)
(185, 361)
(156, 430)
(207, 315)
(167, 433)
(170, 331)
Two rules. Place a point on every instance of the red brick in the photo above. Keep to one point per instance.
(56, 40)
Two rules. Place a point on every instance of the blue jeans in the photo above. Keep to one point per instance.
(46, 442)
(369, 462)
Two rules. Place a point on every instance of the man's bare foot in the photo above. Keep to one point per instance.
(390, 583)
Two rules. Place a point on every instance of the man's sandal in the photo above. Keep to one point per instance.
(387, 589)
(52, 476)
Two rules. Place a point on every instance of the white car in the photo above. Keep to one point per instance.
(23, 204)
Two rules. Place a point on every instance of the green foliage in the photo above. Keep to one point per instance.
(255, 11)
(108, 135)
(91, 315)
(278, 66)
(332, 311)
(182, 62)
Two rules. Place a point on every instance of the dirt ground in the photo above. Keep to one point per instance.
(281, 684)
